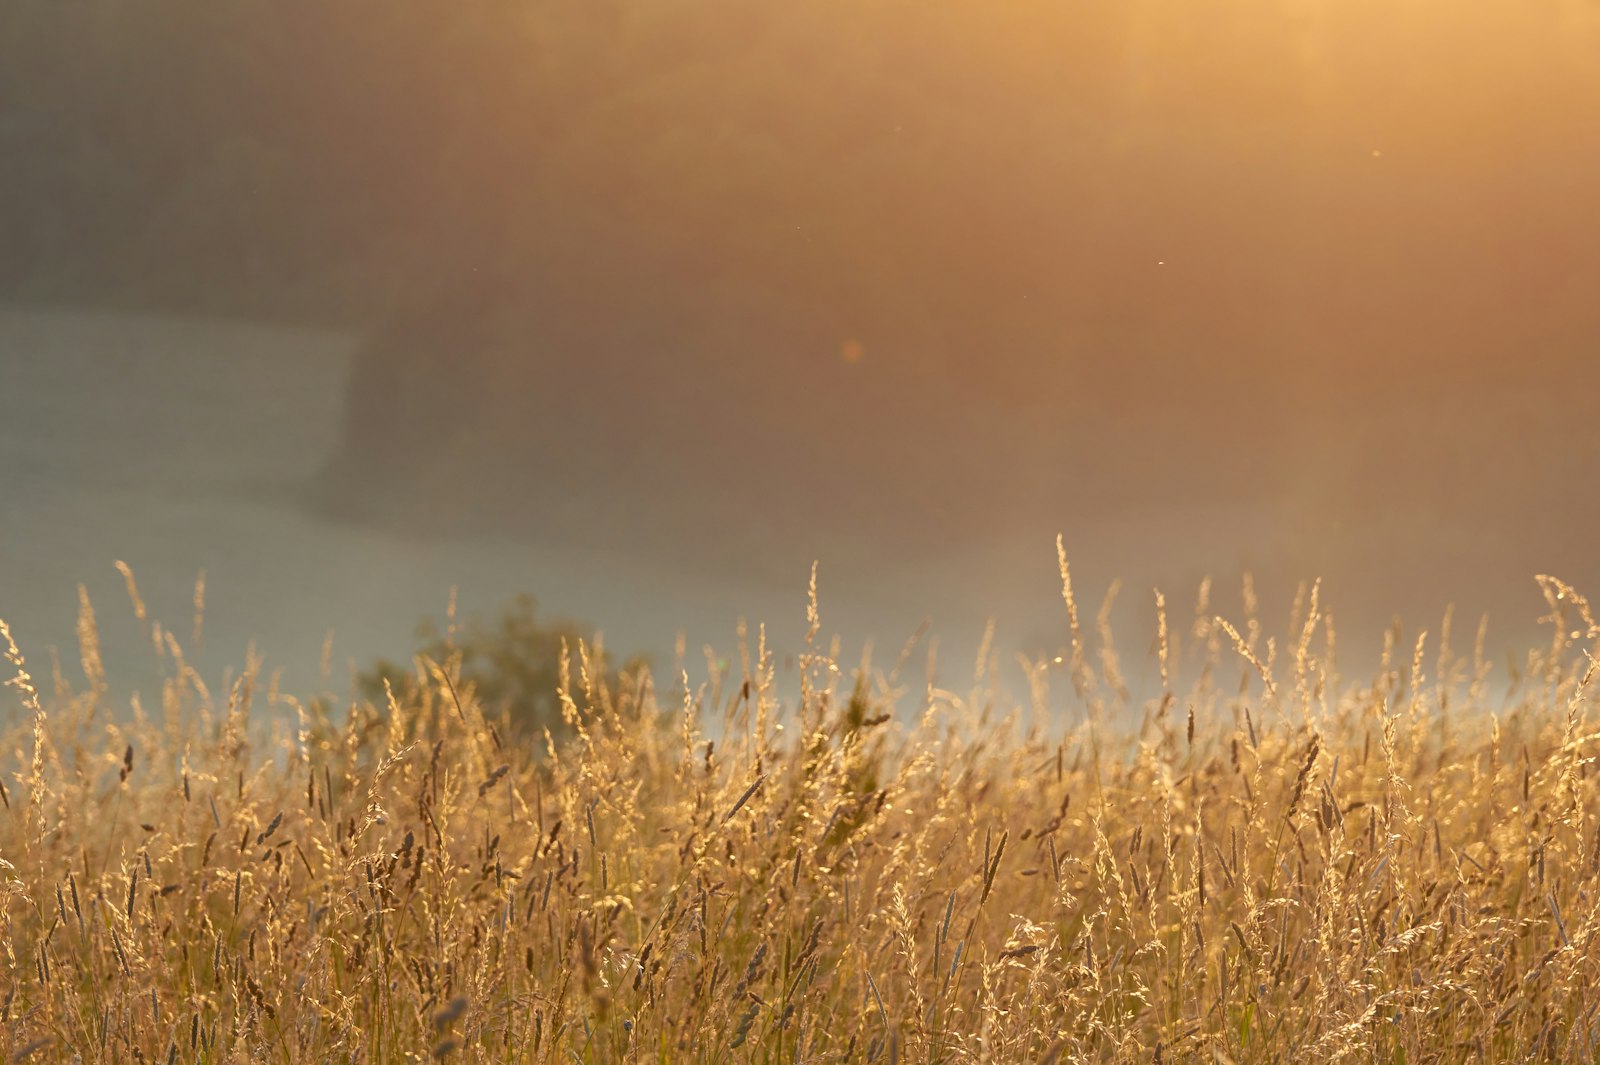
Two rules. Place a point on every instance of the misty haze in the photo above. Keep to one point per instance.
(650, 323)
(754, 531)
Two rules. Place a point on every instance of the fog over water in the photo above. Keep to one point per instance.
(189, 445)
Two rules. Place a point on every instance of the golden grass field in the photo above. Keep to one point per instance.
(1266, 863)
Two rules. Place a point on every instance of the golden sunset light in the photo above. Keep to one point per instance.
(734, 531)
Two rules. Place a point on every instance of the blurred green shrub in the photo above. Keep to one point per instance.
(511, 664)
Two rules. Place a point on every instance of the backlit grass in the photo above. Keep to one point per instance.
(1265, 863)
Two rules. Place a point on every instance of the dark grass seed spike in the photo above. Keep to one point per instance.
(273, 827)
(751, 790)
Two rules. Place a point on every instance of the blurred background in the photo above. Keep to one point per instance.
(643, 305)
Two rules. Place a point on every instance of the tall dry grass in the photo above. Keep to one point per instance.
(1271, 865)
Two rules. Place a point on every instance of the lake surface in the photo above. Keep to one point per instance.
(182, 446)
